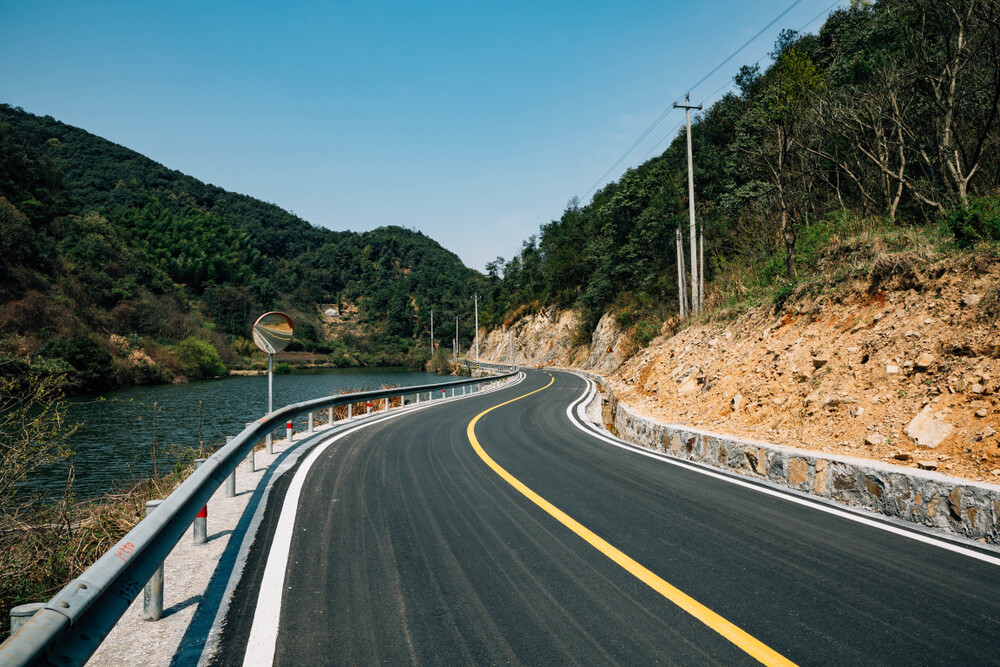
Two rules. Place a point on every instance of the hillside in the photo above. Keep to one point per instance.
(112, 261)
(848, 195)
(843, 366)
(888, 117)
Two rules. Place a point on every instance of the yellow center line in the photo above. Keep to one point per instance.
(746, 642)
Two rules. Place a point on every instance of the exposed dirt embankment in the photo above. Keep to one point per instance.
(901, 366)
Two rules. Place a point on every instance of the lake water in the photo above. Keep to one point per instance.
(114, 443)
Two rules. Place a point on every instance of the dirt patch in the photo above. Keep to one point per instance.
(851, 376)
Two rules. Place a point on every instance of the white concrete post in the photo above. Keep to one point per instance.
(288, 431)
(249, 460)
(312, 423)
(152, 594)
(200, 524)
(231, 480)
(22, 613)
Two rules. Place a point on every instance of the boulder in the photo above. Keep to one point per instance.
(690, 385)
(971, 300)
(924, 361)
(928, 429)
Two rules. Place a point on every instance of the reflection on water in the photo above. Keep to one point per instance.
(115, 442)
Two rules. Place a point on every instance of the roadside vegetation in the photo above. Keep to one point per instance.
(46, 541)
(876, 136)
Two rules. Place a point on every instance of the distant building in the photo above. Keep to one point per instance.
(331, 312)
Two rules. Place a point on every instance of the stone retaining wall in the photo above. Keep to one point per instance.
(953, 505)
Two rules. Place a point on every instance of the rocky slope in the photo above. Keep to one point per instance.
(900, 365)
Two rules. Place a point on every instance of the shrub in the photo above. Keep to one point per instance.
(92, 363)
(979, 221)
(199, 359)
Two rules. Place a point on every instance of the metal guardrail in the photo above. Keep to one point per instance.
(472, 364)
(71, 626)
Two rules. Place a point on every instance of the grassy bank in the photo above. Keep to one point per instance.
(44, 545)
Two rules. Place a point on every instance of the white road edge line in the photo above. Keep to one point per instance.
(263, 638)
(919, 537)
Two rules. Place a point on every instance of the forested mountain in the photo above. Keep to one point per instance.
(111, 261)
(885, 119)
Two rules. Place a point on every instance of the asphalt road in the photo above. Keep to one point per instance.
(407, 548)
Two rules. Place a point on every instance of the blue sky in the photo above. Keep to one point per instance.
(473, 122)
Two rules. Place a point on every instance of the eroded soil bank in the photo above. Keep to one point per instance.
(901, 366)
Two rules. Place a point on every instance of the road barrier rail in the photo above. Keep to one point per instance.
(472, 365)
(70, 626)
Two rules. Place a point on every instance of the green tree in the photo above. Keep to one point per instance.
(199, 359)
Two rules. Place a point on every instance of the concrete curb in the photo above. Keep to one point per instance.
(949, 504)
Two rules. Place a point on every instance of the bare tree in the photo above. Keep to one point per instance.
(33, 430)
(953, 52)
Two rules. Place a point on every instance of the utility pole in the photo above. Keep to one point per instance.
(476, 297)
(696, 300)
(681, 287)
(701, 267)
(432, 333)
(458, 345)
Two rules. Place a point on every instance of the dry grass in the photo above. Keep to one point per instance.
(44, 546)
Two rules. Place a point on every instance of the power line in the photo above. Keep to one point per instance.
(667, 111)
(802, 28)
(660, 142)
(629, 150)
(745, 45)
(729, 82)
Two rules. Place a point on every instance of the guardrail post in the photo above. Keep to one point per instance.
(288, 431)
(269, 443)
(22, 613)
(152, 594)
(418, 397)
(350, 410)
(386, 403)
(231, 480)
(368, 407)
(312, 423)
(329, 416)
(250, 456)
(201, 521)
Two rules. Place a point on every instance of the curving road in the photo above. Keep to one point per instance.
(406, 546)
